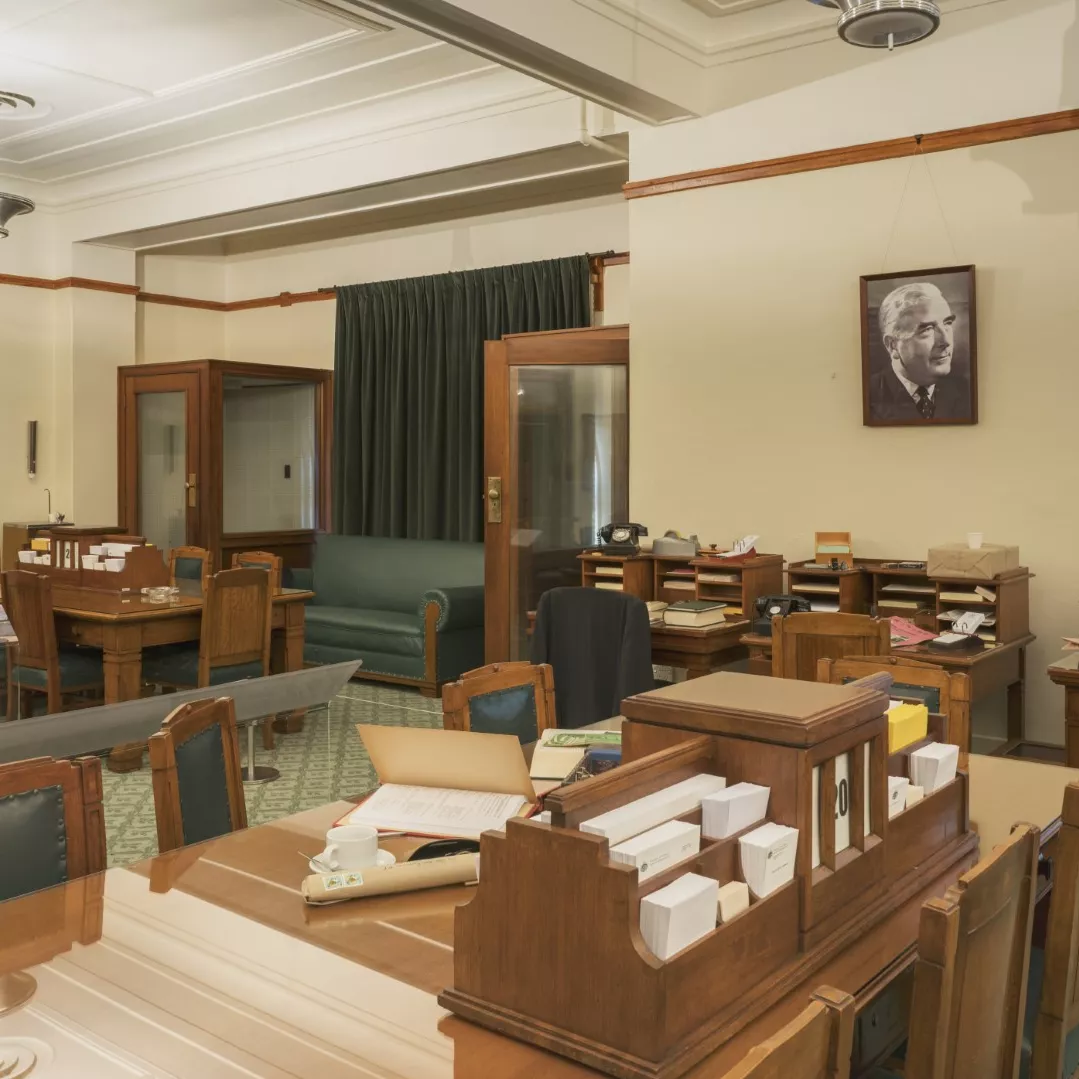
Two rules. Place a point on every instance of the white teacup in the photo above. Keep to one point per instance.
(350, 846)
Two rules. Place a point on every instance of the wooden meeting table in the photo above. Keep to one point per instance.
(206, 960)
(122, 625)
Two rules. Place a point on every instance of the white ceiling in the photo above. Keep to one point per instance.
(123, 81)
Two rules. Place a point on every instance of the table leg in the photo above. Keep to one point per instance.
(1017, 702)
(1071, 726)
(288, 656)
(122, 656)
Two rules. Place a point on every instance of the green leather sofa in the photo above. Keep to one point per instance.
(412, 610)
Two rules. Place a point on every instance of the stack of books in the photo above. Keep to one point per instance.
(694, 614)
(656, 607)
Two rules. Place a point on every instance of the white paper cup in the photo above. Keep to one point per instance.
(27, 556)
(114, 565)
(350, 846)
(974, 540)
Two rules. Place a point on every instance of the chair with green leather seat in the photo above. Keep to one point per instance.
(52, 825)
(190, 564)
(1051, 1038)
(38, 664)
(198, 785)
(260, 560)
(234, 642)
(502, 698)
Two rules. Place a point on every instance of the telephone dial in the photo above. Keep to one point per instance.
(622, 538)
(770, 606)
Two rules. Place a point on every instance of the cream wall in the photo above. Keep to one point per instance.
(746, 378)
(166, 334)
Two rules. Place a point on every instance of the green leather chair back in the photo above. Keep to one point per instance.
(390, 574)
(33, 841)
(204, 794)
(928, 695)
(189, 569)
(505, 711)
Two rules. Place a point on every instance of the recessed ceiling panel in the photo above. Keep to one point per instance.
(716, 8)
(17, 12)
(156, 44)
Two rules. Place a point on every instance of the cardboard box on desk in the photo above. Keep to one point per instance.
(981, 563)
(443, 783)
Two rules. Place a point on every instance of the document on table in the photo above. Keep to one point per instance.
(437, 811)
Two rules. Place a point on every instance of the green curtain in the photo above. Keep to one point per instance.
(408, 390)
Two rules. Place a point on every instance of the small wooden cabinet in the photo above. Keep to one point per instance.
(227, 456)
(631, 574)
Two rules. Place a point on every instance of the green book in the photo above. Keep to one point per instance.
(575, 739)
(696, 605)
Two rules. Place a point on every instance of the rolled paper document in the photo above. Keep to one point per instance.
(403, 877)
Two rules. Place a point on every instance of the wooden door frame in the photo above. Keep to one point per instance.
(190, 382)
(600, 345)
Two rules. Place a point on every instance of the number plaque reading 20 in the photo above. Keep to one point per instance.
(842, 799)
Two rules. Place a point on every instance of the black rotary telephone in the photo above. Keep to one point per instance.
(770, 606)
(622, 538)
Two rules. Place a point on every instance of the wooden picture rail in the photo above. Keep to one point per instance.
(597, 265)
(960, 138)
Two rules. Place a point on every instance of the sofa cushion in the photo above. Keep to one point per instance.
(376, 573)
(363, 629)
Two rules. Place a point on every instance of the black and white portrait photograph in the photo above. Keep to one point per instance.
(919, 348)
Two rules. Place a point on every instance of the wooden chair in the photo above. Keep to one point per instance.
(198, 786)
(1053, 1005)
(40, 800)
(190, 564)
(800, 641)
(970, 978)
(37, 664)
(260, 560)
(943, 691)
(234, 642)
(502, 698)
(816, 1045)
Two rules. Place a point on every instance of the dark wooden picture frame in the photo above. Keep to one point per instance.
(886, 402)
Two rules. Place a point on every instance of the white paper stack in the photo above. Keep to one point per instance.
(914, 795)
(897, 794)
(732, 809)
(659, 848)
(733, 900)
(644, 813)
(933, 765)
(768, 856)
(674, 917)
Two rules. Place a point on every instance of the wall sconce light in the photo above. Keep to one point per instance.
(31, 448)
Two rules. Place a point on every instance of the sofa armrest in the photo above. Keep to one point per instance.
(299, 578)
(458, 608)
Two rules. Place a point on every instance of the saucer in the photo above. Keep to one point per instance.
(384, 860)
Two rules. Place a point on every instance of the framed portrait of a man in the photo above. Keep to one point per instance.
(919, 348)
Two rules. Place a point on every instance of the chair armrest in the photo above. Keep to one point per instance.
(299, 578)
(458, 608)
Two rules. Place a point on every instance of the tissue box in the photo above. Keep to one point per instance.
(983, 563)
(907, 723)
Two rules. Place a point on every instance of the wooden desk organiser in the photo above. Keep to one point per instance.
(549, 950)
(144, 566)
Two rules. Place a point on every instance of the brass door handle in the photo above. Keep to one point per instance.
(191, 486)
(494, 500)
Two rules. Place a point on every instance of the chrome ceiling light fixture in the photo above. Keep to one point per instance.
(884, 24)
(11, 206)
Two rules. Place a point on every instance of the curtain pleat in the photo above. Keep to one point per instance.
(408, 390)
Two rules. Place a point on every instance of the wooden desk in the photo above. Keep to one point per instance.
(122, 626)
(1065, 672)
(1003, 667)
(213, 962)
(699, 651)
(1000, 668)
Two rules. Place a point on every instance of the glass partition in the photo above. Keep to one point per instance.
(269, 468)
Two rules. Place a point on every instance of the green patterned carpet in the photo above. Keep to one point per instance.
(324, 762)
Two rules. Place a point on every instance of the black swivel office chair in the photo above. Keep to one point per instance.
(600, 646)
